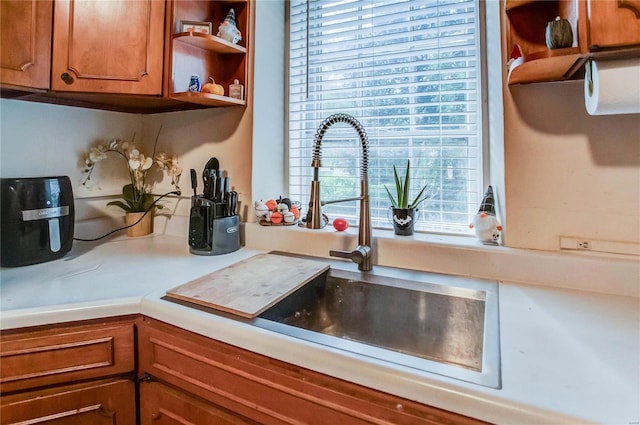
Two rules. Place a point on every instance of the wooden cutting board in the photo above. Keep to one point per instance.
(251, 286)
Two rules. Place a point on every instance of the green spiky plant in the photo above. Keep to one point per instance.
(401, 200)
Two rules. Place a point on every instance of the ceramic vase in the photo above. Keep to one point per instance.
(144, 227)
(403, 220)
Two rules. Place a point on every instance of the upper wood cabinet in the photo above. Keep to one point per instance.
(207, 55)
(121, 55)
(599, 27)
(25, 43)
(108, 46)
(613, 23)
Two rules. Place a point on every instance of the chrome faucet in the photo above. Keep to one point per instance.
(314, 220)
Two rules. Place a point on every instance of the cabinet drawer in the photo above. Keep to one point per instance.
(161, 405)
(267, 390)
(108, 402)
(52, 356)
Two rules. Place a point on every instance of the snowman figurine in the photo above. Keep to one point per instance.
(485, 223)
(228, 30)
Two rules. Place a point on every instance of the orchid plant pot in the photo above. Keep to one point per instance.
(143, 228)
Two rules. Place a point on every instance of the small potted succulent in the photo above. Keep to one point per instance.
(403, 210)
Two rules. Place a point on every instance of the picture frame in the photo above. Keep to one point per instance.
(196, 26)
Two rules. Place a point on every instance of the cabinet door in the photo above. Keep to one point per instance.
(97, 403)
(161, 405)
(113, 46)
(614, 23)
(25, 42)
(30, 359)
(266, 390)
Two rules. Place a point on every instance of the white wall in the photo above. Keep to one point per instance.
(568, 173)
(38, 140)
(196, 136)
(45, 140)
(269, 100)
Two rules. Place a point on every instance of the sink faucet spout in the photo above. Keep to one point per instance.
(362, 253)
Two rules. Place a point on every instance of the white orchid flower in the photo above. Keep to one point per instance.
(134, 164)
(138, 164)
(97, 153)
(146, 162)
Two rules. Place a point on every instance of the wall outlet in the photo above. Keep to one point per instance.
(585, 245)
(578, 244)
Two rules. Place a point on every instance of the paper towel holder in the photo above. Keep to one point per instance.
(588, 76)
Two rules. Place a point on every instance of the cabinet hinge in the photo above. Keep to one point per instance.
(144, 378)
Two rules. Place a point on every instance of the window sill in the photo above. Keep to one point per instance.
(463, 256)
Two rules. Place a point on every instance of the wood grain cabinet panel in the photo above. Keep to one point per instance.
(25, 42)
(161, 405)
(266, 390)
(614, 23)
(109, 402)
(114, 46)
(44, 357)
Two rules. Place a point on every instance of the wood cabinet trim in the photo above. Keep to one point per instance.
(632, 5)
(249, 376)
(159, 401)
(39, 357)
(26, 64)
(98, 402)
(108, 359)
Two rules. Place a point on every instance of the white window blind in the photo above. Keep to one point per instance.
(409, 71)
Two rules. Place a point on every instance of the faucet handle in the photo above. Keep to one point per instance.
(340, 254)
(360, 255)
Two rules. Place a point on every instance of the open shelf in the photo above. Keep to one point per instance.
(208, 42)
(547, 66)
(207, 99)
(207, 55)
(526, 26)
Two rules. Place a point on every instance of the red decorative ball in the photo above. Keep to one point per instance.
(340, 224)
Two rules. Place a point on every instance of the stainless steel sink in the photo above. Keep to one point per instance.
(435, 323)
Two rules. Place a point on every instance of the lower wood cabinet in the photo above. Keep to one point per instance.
(69, 374)
(83, 373)
(105, 402)
(162, 405)
(31, 358)
(259, 388)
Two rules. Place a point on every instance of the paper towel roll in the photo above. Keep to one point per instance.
(612, 87)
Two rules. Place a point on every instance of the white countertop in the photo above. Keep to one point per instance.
(568, 356)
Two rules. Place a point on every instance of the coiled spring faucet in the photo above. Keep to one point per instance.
(314, 220)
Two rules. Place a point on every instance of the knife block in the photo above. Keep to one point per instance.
(209, 235)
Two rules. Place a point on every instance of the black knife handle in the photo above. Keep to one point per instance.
(197, 226)
(194, 182)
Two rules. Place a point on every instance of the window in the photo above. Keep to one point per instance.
(410, 73)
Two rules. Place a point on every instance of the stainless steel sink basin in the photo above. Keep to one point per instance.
(441, 324)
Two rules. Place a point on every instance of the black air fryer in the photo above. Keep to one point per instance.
(37, 217)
